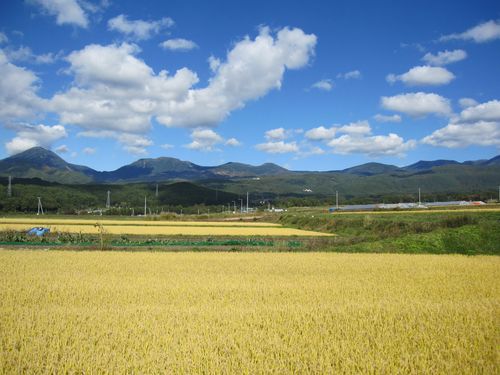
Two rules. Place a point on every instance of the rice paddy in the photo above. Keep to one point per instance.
(177, 313)
(38, 221)
(161, 228)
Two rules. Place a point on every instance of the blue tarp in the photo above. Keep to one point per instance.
(38, 231)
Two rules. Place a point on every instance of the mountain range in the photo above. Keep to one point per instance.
(370, 179)
(38, 162)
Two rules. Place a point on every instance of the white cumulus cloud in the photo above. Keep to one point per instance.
(132, 143)
(89, 150)
(324, 134)
(115, 90)
(477, 124)
(445, 57)
(278, 147)
(204, 140)
(320, 133)
(387, 118)
(423, 76)
(417, 104)
(25, 54)
(357, 138)
(18, 92)
(252, 69)
(29, 136)
(179, 45)
(353, 74)
(356, 128)
(233, 142)
(455, 135)
(65, 11)
(484, 32)
(489, 111)
(378, 145)
(467, 102)
(277, 134)
(214, 63)
(324, 84)
(138, 29)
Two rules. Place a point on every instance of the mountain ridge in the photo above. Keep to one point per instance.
(38, 162)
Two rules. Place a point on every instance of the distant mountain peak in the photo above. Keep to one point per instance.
(429, 164)
(39, 156)
(493, 161)
(370, 169)
(36, 152)
(38, 162)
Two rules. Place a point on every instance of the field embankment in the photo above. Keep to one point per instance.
(450, 231)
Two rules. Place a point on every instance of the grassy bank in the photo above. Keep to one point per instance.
(440, 233)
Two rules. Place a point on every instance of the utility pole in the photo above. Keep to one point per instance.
(156, 193)
(108, 200)
(40, 208)
(247, 201)
(9, 188)
(241, 201)
(145, 206)
(234, 202)
(337, 200)
(419, 201)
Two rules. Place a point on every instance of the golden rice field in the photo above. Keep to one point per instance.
(43, 221)
(248, 313)
(193, 228)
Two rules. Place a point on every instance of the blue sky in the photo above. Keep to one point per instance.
(321, 85)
